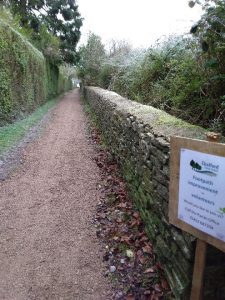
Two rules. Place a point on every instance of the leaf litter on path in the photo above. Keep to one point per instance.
(128, 252)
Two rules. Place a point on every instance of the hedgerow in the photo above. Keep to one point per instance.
(184, 75)
(27, 78)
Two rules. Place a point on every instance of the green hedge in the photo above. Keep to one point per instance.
(27, 80)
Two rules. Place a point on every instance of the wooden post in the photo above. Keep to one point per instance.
(201, 248)
(199, 268)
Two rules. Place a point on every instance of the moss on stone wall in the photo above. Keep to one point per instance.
(26, 79)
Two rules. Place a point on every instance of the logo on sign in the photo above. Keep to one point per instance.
(205, 168)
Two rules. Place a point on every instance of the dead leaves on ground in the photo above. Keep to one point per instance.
(127, 249)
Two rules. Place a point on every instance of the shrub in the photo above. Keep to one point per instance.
(184, 75)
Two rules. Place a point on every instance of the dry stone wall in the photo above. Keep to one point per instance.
(139, 137)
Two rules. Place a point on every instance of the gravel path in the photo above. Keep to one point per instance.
(48, 248)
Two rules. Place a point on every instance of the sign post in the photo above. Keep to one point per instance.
(197, 190)
(200, 252)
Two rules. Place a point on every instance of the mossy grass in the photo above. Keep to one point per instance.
(166, 119)
(11, 134)
(93, 121)
(88, 110)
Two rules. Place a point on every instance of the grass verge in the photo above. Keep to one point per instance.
(13, 133)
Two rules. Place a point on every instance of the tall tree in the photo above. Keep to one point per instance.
(61, 17)
(92, 56)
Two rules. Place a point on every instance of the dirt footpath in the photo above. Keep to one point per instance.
(48, 248)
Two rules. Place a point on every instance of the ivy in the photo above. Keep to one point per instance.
(27, 79)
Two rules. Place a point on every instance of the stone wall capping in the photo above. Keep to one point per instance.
(162, 123)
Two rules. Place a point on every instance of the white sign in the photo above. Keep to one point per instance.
(202, 192)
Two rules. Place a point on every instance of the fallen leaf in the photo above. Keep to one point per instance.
(119, 220)
(149, 270)
(142, 260)
(129, 253)
(158, 287)
(127, 239)
(165, 284)
(147, 292)
(136, 215)
(134, 223)
(147, 249)
(154, 297)
(130, 297)
(122, 205)
(144, 238)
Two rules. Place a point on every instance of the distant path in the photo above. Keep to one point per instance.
(48, 248)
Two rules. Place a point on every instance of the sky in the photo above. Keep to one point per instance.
(140, 22)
